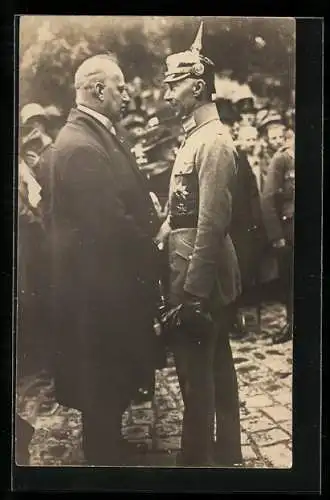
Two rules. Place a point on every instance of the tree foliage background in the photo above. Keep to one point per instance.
(255, 50)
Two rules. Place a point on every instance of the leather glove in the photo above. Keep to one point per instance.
(195, 315)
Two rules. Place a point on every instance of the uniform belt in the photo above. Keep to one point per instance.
(183, 221)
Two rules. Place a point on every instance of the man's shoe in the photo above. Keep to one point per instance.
(284, 335)
(182, 461)
(221, 459)
(238, 332)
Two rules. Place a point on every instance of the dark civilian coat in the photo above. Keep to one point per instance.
(247, 229)
(103, 265)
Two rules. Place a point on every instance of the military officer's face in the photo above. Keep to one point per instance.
(275, 137)
(180, 96)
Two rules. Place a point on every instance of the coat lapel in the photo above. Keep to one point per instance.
(110, 142)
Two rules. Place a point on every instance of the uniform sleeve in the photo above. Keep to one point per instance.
(269, 199)
(215, 164)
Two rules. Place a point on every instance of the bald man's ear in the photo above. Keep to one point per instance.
(98, 91)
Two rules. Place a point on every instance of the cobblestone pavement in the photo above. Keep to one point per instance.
(265, 377)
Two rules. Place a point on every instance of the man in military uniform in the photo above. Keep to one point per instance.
(204, 273)
(278, 210)
(271, 129)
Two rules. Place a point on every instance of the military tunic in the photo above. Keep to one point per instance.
(203, 263)
(278, 196)
(202, 256)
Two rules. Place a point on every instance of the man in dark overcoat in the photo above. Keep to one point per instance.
(204, 272)
(101, 222)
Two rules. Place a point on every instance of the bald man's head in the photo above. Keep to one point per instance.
(100, 85)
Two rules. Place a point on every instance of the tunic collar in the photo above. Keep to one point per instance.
(200, 116)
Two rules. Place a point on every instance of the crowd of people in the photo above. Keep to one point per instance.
(261, 225)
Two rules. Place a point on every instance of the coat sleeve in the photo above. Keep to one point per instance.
(97, 210)
(216, 167)
(271, 192)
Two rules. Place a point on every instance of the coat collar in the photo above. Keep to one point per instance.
(99, 117)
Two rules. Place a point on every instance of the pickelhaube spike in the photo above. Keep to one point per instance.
(188, 63)
(197, 44)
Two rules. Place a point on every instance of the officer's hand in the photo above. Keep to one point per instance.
(195, 314)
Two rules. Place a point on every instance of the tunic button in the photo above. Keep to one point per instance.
(190, 257)
(284, 217)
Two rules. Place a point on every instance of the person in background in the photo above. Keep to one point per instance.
(272, 132)
(55, 121)
(134, 124)
(290, 127)
(246, 142)
(160, 147)
(204, 273)
(101, 223)
(33, 115)
(35, 146)
(278, 210)
(246, 229)
(29, 359)
(246, 109)
(34, 129)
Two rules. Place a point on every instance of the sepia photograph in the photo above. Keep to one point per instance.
(155, 241)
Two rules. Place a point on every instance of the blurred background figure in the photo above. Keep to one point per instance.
(247, 229)
(243, 100)
(278, 211)
(34, 131)
(159, 147)
(33, 323)
(271, 129)
(247, 143)
(33, 115)
(134, 123)
(272, 133)
(55, 121)
(31, 358)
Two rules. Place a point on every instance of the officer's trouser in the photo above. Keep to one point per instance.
(208, 384)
